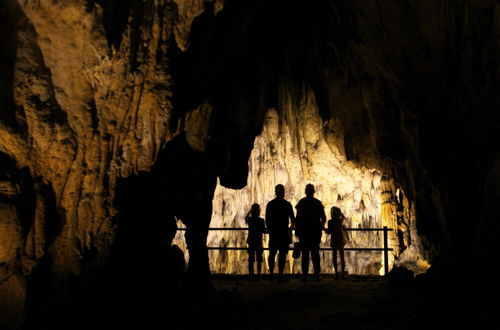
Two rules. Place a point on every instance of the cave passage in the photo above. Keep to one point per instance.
(367, 197)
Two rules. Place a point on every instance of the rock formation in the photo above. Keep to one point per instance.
(118, 117)
(300, 156)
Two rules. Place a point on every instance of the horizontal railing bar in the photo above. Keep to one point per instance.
(246, 229)
(368, 229)
(321, 249)
(385, 249)
(361, 249)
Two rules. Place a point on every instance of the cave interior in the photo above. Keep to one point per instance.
(122, 121)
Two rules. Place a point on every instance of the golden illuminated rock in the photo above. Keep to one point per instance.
(85, 115)
(295, 157)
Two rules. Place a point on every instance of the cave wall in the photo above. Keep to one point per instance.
(79, 111)
(92, 92)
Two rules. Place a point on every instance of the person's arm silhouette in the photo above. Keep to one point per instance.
(268, 218)
(322, 216)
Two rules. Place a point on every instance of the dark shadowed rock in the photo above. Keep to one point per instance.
(400, 275)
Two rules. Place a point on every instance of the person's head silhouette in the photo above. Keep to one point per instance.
(335, 212)
(255, 210)
(280, 191)
(309, 190)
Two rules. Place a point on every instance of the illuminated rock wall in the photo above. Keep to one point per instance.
(297, 154)
(85, 100)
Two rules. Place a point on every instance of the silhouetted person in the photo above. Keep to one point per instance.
(256, 227)
(311, 219)
(278, 214)
(337, 239)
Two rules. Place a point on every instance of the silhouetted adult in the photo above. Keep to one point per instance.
(310, 222)
(279, 212)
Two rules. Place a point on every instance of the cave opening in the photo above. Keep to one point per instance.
(309, 153)
(269, 103)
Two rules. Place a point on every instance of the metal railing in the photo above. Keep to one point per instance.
(385, 248)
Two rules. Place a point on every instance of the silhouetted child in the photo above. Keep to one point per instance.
(256, 227)
(338, 240)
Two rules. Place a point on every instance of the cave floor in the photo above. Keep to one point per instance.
(354, 303)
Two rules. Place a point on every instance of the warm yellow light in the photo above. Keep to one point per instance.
(294, 157)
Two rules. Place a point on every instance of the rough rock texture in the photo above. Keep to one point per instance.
(94, 92)
(77, 115)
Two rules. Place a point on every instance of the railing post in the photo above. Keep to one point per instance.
(386, 253)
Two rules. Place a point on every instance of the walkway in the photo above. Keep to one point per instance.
(355, 303)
